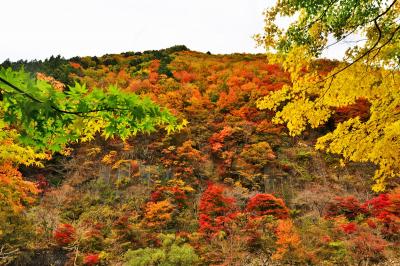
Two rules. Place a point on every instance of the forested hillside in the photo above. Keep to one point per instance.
(202, 177)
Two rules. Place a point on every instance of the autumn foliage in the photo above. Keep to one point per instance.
(228, 187)
(380, 212)
(386, 209)
(266, 204)
(91, 259)
(288, 241)
(350, 207)
(64, 234)
(15, 192)
(216, 209)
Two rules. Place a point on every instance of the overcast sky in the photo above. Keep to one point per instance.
(41, 28)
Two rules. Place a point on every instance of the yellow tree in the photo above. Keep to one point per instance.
(369, 71)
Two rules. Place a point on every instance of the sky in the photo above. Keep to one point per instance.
(41, 28)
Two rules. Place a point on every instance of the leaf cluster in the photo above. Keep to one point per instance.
(48, 119)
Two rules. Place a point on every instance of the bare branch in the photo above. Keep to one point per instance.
(387, 10)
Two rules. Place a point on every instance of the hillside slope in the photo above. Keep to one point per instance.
(230, 188)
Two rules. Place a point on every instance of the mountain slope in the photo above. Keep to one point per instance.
(230, 188)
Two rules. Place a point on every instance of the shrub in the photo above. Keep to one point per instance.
(176, 191)
(350, 207)
(258, 154)
(172, 252)
(158, 214)
(386, 209)
(217, 139)
(349, 228)
(91, 259)
(367, 246)
(288, 242)
(65, 234)
(216, 209)
(267, 204)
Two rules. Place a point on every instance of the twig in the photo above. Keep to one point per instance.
(76, 254)
(4, 255)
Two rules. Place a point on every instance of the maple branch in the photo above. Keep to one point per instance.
(324, 93)
(367, 53)
(370, 50)
(55, 108)
(339, 40)
(387, 10)
(20, 91)
(374, 20)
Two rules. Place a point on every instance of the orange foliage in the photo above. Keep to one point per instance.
(154, 65)
(359, 108)
(75, 65)
(266, 126)
(217, 139)
(184, 160)
(288, 241)
(184, 76)
(53, 82)
(176, 191)
(15, 193)
(227, 100)
(158, 214)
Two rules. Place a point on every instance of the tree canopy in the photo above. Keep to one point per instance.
(369, 72)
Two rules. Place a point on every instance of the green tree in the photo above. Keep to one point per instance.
(172, 252)
(47, 118)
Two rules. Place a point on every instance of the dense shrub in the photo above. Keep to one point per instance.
(91, 259)
(158, 214)
(172, 252)
(216, 209)
(64, 234)
(267, 204)
(350, 207)
(386, 209)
